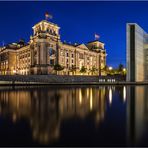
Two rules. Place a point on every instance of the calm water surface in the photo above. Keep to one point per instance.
(74, 116)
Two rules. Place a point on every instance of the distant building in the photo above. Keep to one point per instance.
(136, 53)
(45, 49)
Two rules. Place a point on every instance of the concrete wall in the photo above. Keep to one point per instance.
(135, 53)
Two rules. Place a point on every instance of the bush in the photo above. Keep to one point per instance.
(58, 67)
(83, 69)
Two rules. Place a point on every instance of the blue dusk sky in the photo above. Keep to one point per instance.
(79, 21)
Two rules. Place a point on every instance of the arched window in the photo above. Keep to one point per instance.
(47, 29)
(54, 32)
(50, 31)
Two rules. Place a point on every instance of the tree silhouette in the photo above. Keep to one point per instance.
(83, 70)
(58, 67)
(93, 70)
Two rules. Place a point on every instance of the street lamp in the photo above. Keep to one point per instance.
(124, 69)
(14, 71)
(110, 68)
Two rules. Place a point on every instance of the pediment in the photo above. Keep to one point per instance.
(83, 46)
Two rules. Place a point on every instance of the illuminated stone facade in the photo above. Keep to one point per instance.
(45, 50)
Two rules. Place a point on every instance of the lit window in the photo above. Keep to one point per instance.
(81, 56)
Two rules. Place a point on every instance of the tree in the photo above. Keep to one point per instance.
(73, 69)
(58, 67)
(93, 70)
(83, 70)
(120, 68)
(105, 69)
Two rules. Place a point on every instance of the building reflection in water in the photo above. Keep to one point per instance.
(46, 108)
(137, 114)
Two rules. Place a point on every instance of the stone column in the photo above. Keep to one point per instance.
(59, 54)
(47, 54)
(43, 52)
(97, 61)
(99, 64)
(69, 58)
(64, 57)
(38, 54)
(85, 60)
(77, 62)
(32, 56)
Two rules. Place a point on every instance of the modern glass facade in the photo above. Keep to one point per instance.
(136, 53)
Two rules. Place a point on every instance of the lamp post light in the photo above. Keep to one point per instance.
(14, 71)
(110, 68)
(124, 71)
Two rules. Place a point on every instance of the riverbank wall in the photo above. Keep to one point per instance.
(64, 80)
(57, 79)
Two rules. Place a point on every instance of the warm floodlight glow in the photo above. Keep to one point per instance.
(91, 99)
(110, 68)
(80, 96)
(87, 93)
(14, 71)
(124, 93)
(110, 96)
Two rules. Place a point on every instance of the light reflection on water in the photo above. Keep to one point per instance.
(124, 93)
(110, 95)
(48, 109)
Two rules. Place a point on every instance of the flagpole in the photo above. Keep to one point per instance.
(3, 43)
(48, 16)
